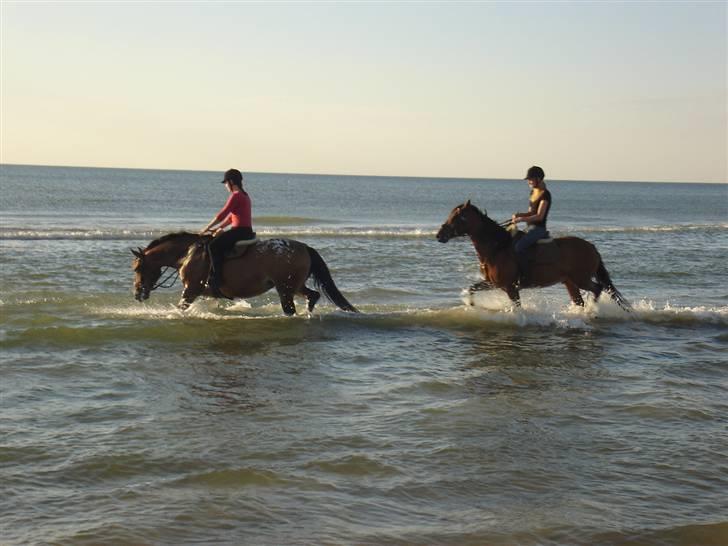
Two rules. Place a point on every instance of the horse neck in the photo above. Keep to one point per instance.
(171, 253)
(488, 239)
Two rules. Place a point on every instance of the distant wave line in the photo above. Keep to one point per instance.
(406, 232)
(126, 235)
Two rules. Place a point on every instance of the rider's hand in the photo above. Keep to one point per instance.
(514, 220)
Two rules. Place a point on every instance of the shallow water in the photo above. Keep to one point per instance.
(421, 421)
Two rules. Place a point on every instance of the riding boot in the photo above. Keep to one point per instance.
(522, 262)
(215, 280)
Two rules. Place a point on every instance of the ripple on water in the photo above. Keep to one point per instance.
(236, 478)
(353, 465)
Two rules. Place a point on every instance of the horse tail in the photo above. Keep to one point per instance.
(323, 281)
(606, 283)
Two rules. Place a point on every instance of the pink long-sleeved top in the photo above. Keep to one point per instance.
(238, 208)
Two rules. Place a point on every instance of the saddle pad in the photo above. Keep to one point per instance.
(545, 241)
(240, 247)
(246, 242)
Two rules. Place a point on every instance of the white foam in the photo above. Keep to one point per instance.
(539, 308)
(542, 308)
(650, 311)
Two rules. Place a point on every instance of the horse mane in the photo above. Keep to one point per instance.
(169, 236)
(191, 251)
(491, 230)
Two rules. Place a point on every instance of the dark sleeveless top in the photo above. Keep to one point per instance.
(545, 196)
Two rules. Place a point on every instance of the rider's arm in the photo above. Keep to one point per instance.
(224, 224)
(208, 227)
(222, 215)
(530, 218)
(540, 213)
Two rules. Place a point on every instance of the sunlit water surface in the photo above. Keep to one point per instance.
(420, 421)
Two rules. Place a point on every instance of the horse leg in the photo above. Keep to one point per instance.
(188, 297)
(286, 296)
(595, 288)
(312, 296)
(480, 285)
(512, 292)
(574, 293)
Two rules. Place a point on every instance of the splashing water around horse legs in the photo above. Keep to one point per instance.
(283, 264)
(572, 261)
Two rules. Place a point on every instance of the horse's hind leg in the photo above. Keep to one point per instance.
(289, 307)
(595, 288)
(312, 296)
(574, 293)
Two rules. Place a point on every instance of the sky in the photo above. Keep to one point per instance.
(589, 91)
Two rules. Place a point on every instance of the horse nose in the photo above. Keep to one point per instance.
(441, 234)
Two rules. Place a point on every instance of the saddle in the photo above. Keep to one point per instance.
(543, 252)
(214, 276)
(241, 247)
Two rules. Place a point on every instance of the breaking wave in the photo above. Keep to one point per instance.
(309, 227)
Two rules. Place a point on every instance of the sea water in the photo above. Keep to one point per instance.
(422, 420)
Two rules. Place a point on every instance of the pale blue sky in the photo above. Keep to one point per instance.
(617, 91)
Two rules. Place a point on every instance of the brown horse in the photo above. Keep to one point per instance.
(570, 260)
(283, 264)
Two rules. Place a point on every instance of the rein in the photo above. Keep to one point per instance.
(161, 284)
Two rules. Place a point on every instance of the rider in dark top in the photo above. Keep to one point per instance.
(539, 205)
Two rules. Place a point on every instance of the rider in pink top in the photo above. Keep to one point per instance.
(235, 213)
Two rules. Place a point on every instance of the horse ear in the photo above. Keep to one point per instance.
(467, 203)
(139, 253)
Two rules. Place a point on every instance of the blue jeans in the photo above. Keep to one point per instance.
(533, 234)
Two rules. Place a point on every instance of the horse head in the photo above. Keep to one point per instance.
(463, 220)
(146, 273)
(148, 264)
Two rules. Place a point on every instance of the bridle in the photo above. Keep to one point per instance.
(457, 226)
(174, 275)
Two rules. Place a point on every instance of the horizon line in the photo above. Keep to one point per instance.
(348, 175)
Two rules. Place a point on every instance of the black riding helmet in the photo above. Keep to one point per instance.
(234, 176)
(535, 173)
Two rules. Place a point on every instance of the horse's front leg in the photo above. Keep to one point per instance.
(189, 295)
(478, 286)
(513, 293)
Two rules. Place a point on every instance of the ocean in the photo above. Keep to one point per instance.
(420, 421)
